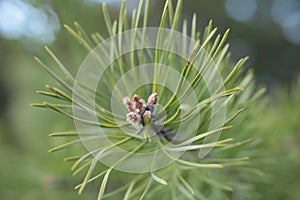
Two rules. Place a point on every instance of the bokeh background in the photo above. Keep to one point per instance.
(268, 31)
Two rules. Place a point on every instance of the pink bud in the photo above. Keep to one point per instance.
(152, 101)
(128, 104)
(138, 104)
(133, 118)
(147, 115)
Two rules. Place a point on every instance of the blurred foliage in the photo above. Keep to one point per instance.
(280, 129)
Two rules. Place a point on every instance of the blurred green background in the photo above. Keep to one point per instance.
(268, 31)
